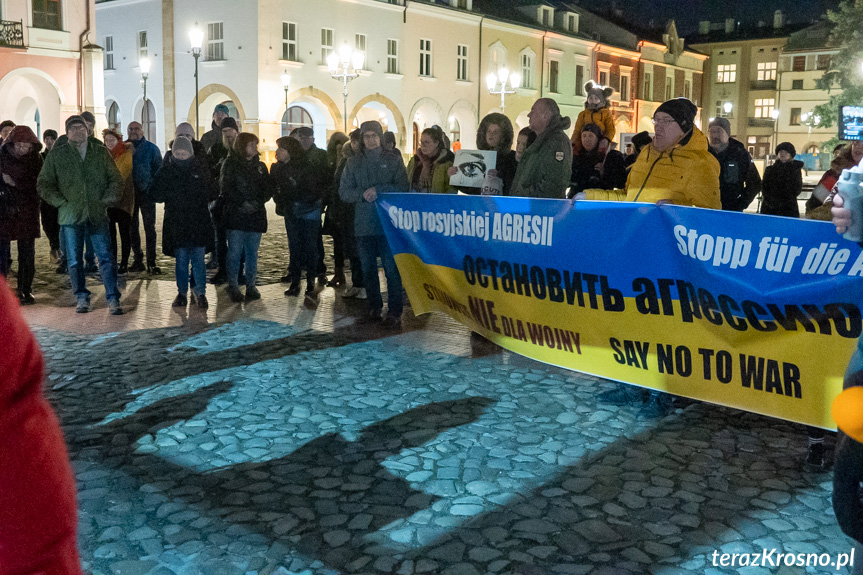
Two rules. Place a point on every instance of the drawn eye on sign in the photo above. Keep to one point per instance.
(472, 167)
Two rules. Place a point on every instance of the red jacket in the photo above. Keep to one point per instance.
(38, 513)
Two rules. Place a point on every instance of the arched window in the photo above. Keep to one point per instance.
(454, 131)
(115, 122)
(497, 57)
(295, 117)
(148, 120)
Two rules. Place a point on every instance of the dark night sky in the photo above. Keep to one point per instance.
(687, 13)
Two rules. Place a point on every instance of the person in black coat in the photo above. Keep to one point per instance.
(185, 186)
(595, 165)
(496, 133)
(739, 181)
(783, 182)
(299, 197)
(245, 189)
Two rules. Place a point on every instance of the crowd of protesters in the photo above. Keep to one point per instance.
(86, 192)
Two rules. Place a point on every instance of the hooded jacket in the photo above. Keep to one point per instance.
(38, 511)
(739, 181)
(601, 118)
(783, 182)
(147, 159)
(377, 169)
(82, 190)
(20, 219)
(685, 175)
(546, 166)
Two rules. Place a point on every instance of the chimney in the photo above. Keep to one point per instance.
(729, 25)
(704, 27)
(778, 20)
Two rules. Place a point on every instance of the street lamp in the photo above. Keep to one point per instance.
(501, 78)
(196, 39)
(727, 107)
(286, 81)
(345, 66)
(145, 110)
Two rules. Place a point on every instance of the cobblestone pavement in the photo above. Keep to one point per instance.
(275, 438)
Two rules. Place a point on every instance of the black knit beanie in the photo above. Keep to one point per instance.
(682, 110)
(788, 147)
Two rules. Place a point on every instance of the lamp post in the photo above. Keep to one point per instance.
(345, 66)
(145, 109)
(501, 78)
(286, 81)
(196, 39)
(727, 107)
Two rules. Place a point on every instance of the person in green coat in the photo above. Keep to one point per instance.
(81, 180)
(546, 166)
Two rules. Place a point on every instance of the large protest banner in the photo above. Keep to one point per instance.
(759, 313)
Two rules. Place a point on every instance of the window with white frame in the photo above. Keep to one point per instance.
(726, 73)
(497, 57)
(720, 109)
(669, 87)
(571, 23)
(546, 17)
(289, 41)
(624, 87)
(425, 57)
(603, 77)
(766, 71)
(326, 44)
(647, 89)
(360, 47)
(109, 52)
(143, 51)
(764, 107)
(687, 89)
(528, 65)
(392, 56)
(461, 63)
(215, 41)
(553, 75)
(579, 80)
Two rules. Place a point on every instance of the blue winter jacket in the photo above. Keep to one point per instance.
(377, 169)
(146, 161)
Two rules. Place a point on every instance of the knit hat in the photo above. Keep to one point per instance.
(593, 128)
(641, 139)
(372, 126)
(223, 109)
(89, 117)
(185, 128)
(229, 122)
(682, 110)
(788, 147)
(49, 134)
(182, 144)
(72, 120)
(722, 123)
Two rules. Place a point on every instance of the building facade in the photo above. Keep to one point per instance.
(50, 62)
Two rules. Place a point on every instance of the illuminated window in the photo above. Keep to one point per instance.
(766, 71)
(764, 107)
(726, 73)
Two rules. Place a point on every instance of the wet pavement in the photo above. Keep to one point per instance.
(274, 437)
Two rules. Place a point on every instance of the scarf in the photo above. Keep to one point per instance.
(424, 170)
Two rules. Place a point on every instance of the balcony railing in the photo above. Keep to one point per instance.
(11, 34)
(761, 122)
(762, 85)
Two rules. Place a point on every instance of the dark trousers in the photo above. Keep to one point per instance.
(26, 262)
(221, 241)
(147, 213)
(350, 244)
(338, 236)
(50, 224)
(122, 222)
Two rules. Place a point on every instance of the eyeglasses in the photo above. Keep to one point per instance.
(662, 121)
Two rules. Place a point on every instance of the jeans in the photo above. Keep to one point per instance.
(26, 262)
(75, 237)
(148, 214)
(195, 256)
(242, 244)
(370, 247)
(294, 268)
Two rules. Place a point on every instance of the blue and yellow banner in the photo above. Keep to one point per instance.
(759, 313)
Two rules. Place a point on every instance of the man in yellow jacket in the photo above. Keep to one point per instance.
(676, 168)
